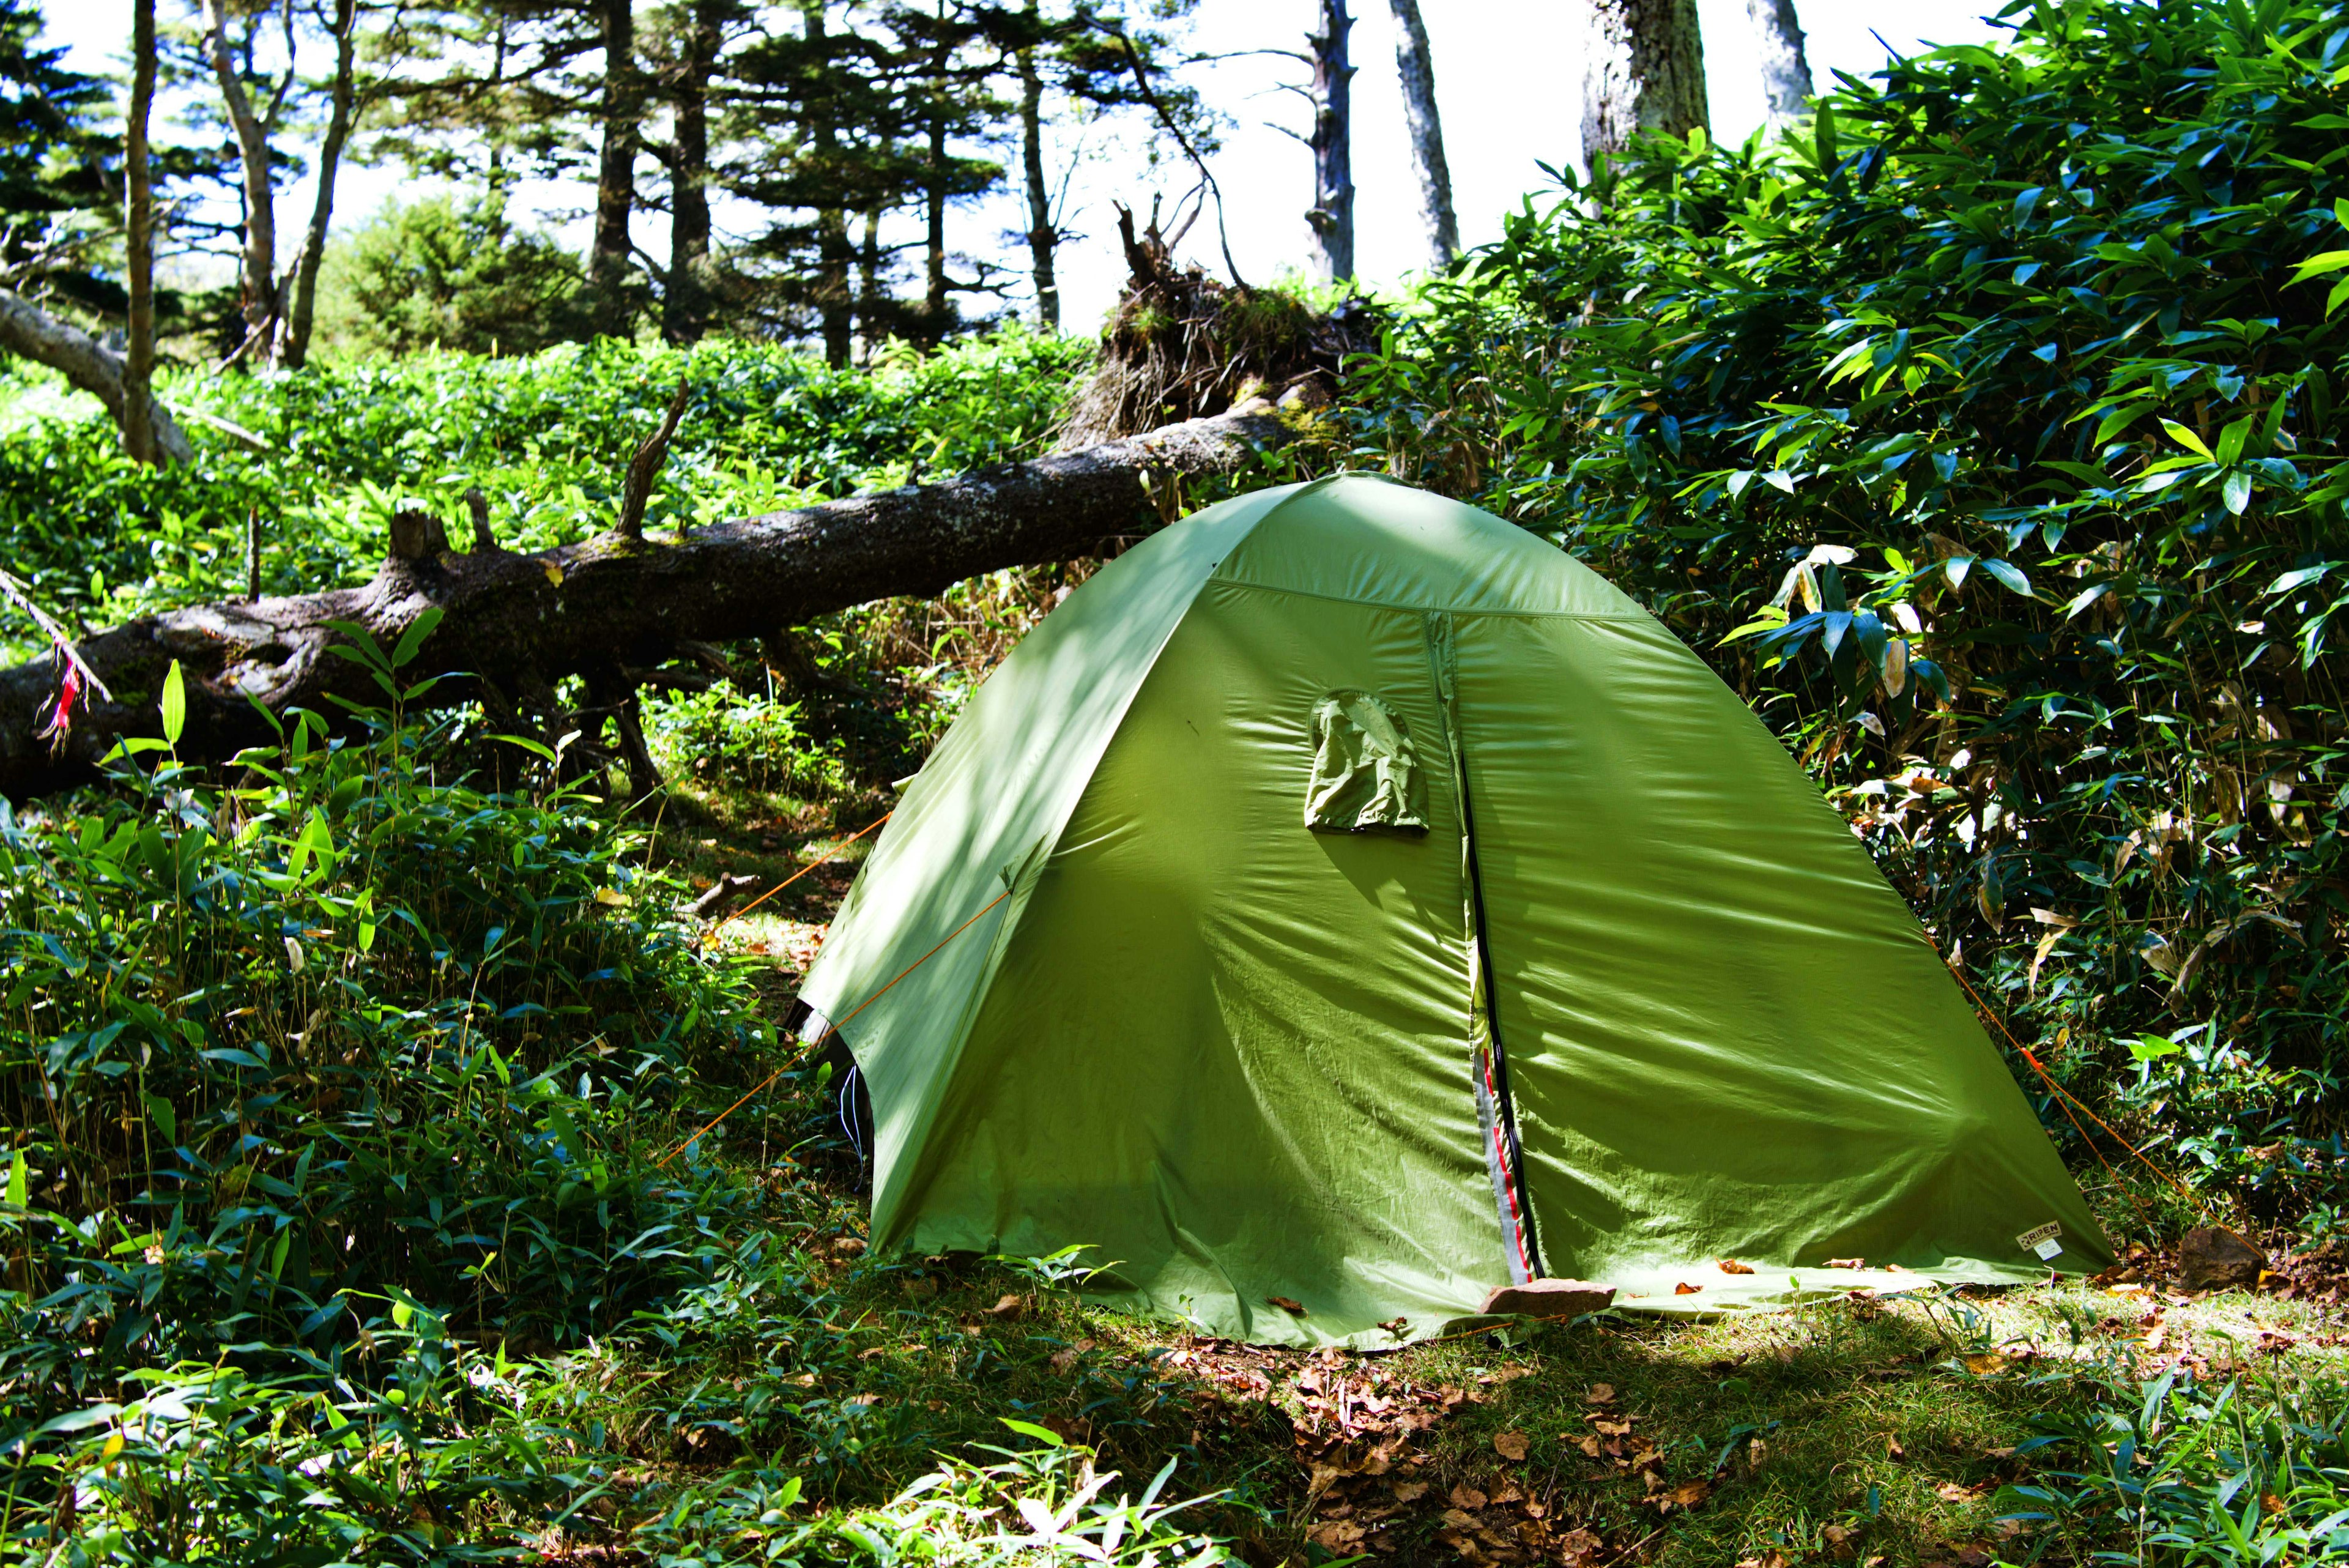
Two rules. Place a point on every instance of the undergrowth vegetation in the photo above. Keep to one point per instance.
(546, 439)
(396, 1173)
(1984, 435)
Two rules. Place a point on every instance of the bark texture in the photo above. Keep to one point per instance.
(685, 301)
(1332, 93)
(1416, 64)
(1043, 235)
(1785, 69)
(343, 103)
(611, 608)
(260, 303)
(1643, 69)
(136, 418)
(616, 167)
(28, 331)
(835, 307)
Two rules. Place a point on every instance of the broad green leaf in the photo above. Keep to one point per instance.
(2236, 492)
(1030, 1429)
(2188, 439)
(2299, 577)
(2011, 575)
(412, 639)
(175, 705)
(2319, 265)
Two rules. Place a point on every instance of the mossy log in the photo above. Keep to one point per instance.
(611, 608)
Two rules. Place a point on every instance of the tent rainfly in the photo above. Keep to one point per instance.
(1363, 903)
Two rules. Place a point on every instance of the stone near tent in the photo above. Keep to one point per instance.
(1548, 1298)
(2214, 1257)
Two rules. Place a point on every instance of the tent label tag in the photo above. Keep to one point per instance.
(2042, 1241)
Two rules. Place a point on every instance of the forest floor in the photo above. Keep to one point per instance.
(1924, 1426)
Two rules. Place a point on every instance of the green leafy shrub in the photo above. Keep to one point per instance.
(1983, 436)
(2173, 1471)
(449, 272)
(749, 738)
(347, 1057)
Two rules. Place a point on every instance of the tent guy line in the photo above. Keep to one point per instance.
(818, 1042)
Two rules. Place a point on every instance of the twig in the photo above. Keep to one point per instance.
(645, 467)
(23, 600)
(1165, 118)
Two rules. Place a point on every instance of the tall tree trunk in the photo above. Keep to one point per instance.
(259, 285)
(1043, 236)
(685, 309)
(28, 331)
(1785, 69)
(836, 305)
(615, 168)
(1643, 69)
(1416, 66)
(934, 289)
(934, 280)
(871, 310)
(330, 163)
(139, 406)
(1332, 95)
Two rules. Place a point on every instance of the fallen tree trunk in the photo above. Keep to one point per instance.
(610, 609)
(28, 331)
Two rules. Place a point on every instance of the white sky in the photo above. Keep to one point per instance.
(1508, 75)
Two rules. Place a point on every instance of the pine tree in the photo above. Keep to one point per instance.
(59, 181)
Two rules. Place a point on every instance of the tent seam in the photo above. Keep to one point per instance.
(1631, 616)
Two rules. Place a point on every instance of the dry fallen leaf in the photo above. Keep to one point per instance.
(1285, 1305)
(1688, 1494)
(1600, 1394)
(1590, 1446)
(1407, 1491)
(1846, 1263)
(1008, 1308)
(1686, 1289)
(1732, 1266)
(1467, 1497)
(1509, 1444)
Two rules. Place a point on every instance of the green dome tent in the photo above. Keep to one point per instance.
(1347, 896)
